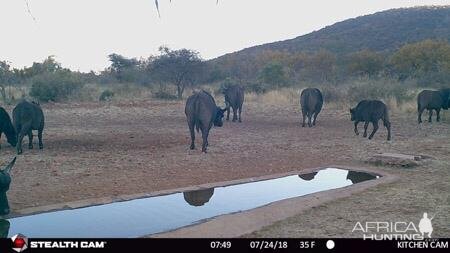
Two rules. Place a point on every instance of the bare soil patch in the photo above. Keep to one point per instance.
(94, 150)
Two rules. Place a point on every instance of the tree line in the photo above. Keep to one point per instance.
(171, 71)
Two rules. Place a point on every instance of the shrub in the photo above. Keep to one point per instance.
(163, 94)
(106, 95)
(56, 86)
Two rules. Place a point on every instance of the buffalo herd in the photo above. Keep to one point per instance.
(202, 111)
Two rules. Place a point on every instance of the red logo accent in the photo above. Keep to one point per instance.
(18, 243)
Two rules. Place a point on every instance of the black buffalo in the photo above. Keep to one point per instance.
(357, 177)
(198, 198)
(28, 116)
(432, 100)
(311, 101)
(234, 97)
(7, 127)
(4, 228)
(202, 112)
(371, 111)
(5, 181)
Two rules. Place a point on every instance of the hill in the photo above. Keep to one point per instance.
(382, 31)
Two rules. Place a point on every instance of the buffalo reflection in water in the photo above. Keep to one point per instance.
(356, 176)
(308, 177)
(198, 198)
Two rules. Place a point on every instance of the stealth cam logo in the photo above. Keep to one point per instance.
(20, 242)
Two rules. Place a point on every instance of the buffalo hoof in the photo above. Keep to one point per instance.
(303, 125)
(364, 135)
(204, 151)
(192, 147)
(41, 146)
(389, 138)
(240, 121)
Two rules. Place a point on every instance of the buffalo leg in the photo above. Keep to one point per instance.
(366, 124)
(20, 136)
(228, 112)
(356, 127)
(30, 139)
(41, 145)
(438, 116)
(191, 130)
(315, 117)
(419, 117)
(304, 118)
(309, 119)
(240, 111)
(430, 114)
(234, 114)
(375, 128)
(205, 139)
(387, 124)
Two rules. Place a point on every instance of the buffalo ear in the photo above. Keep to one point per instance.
(8, 167)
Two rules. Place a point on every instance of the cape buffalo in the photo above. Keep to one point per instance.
(7, 127)
(27, 117)
(5, 181)
(432, 100)
(234, 97)
(198, 198)
(4, 228)
(311, 101)
(202, 112)
(371, 111)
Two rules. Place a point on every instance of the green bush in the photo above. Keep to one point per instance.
(106, 95)
(163, 94)
(379, 90)
(55, 86)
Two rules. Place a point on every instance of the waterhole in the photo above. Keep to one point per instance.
(145, 216)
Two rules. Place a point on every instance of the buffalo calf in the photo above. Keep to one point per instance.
(371, 111)
(234, 97)
(28, 117)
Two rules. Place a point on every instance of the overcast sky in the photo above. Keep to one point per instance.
(81, 33)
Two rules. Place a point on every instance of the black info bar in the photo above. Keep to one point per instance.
(23, 244)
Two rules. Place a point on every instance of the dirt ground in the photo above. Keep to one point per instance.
(109, 149)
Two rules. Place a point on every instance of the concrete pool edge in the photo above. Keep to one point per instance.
(238, 224)
(107, 200)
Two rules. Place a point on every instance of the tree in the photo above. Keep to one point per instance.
(49, 65)
(5, 77)
(122, 68)
(273, 74)
(181, 68)
(365, 63)
(427, 60)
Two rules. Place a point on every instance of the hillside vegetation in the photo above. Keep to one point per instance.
(389, 55)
